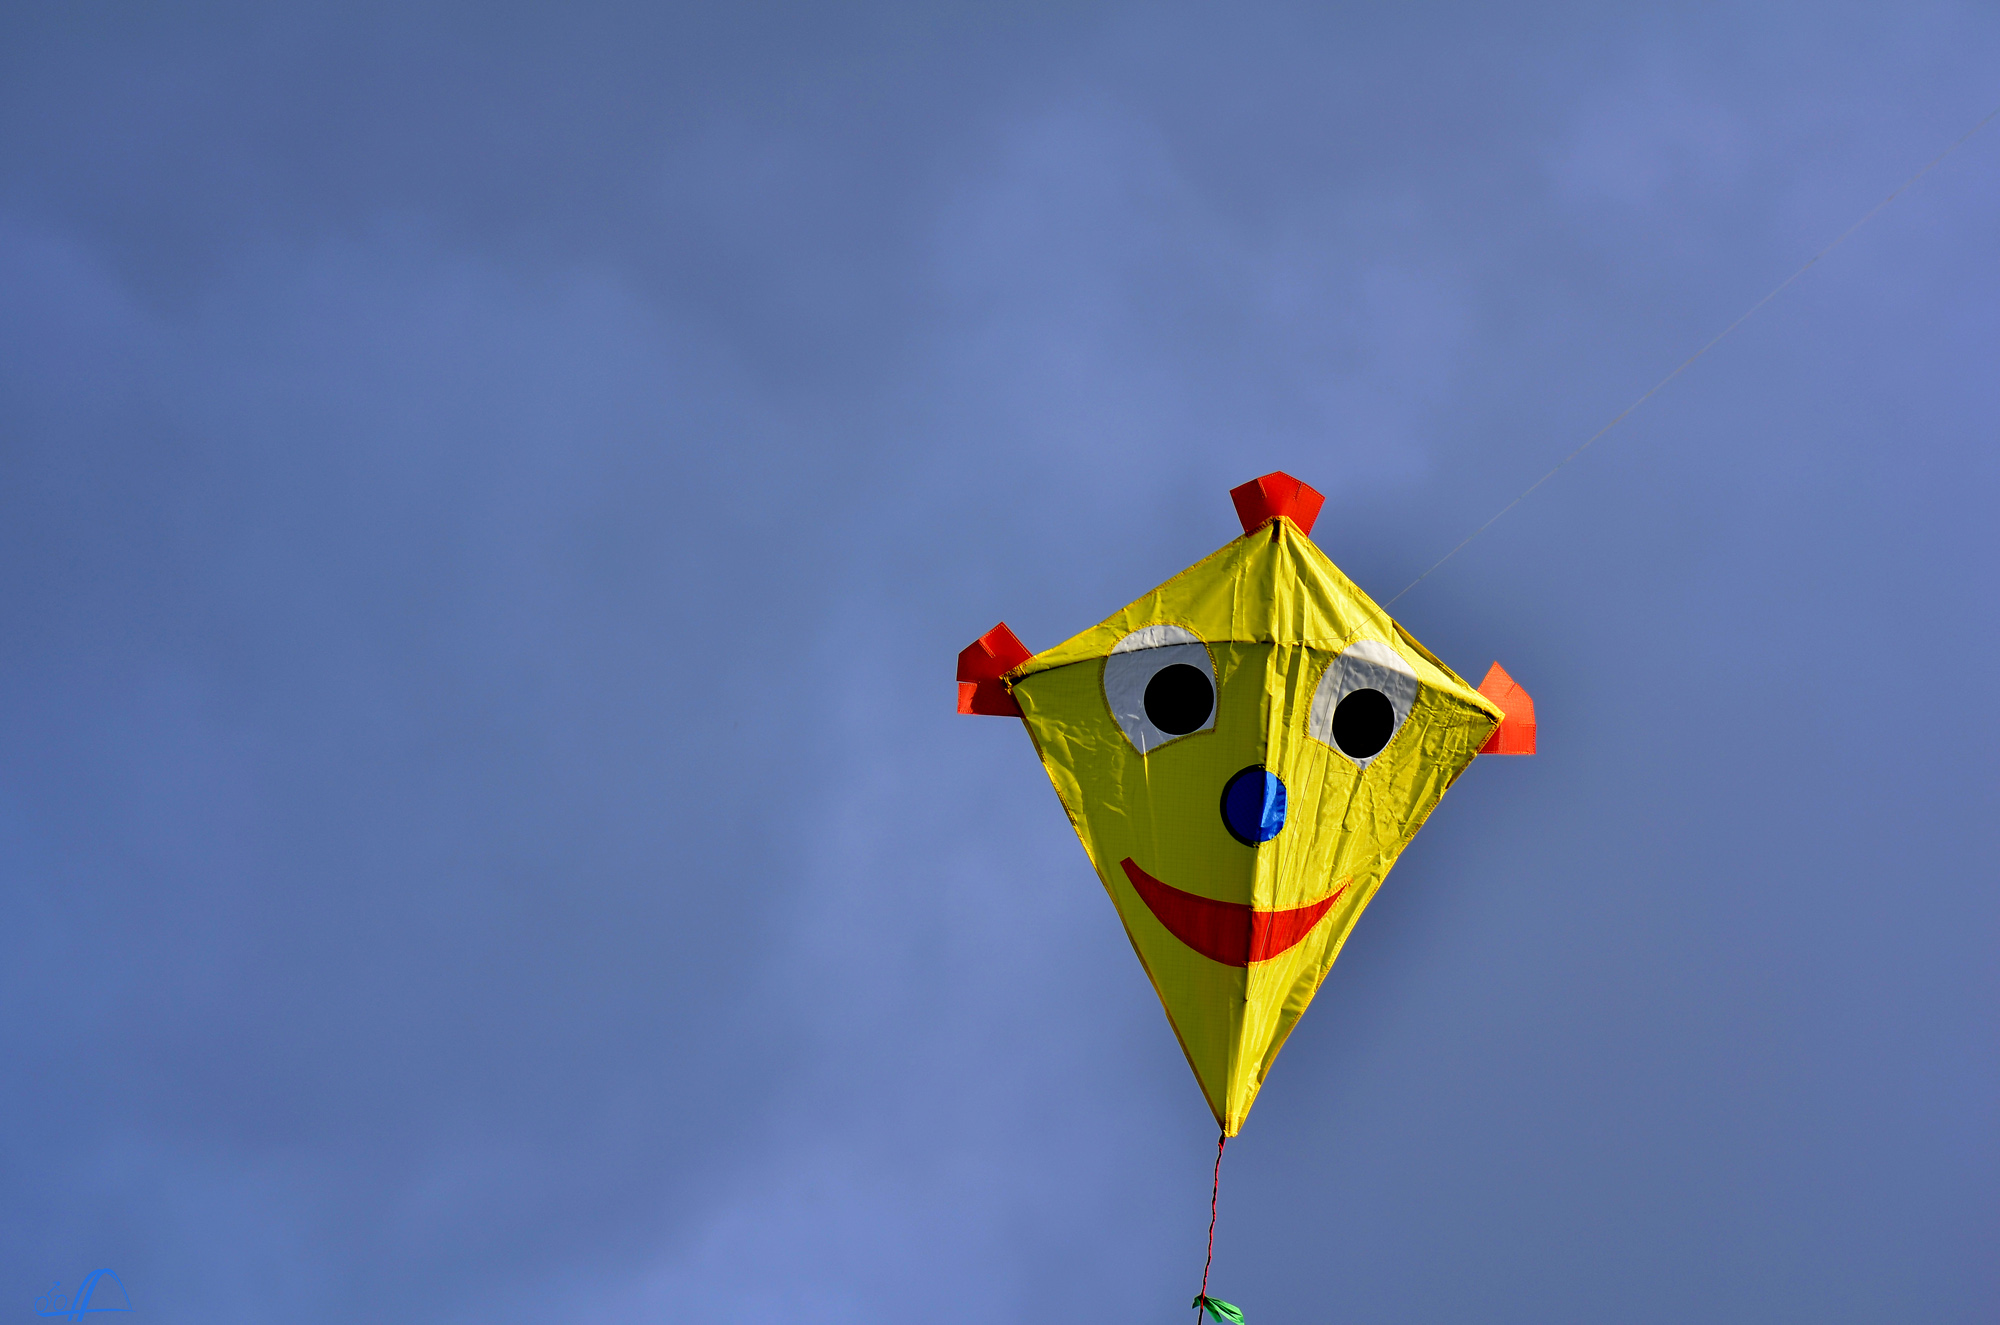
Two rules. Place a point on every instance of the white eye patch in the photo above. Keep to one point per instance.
(1160, 684)
(1363, 700)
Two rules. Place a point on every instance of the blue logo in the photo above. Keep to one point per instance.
(102, 1291)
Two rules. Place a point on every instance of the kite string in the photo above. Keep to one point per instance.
(1214, 1194)
(1687, 363)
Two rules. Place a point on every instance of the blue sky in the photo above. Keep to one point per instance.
(489, 499)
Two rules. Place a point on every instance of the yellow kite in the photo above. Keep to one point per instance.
(1244, 752)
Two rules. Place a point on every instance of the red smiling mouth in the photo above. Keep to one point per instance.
(1232, 933)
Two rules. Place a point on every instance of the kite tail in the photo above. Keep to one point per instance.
(1223, 1312)
(1214, 1196)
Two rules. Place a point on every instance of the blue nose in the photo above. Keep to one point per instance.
(1253, 806)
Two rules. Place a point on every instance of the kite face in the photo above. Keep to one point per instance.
(1244, 752)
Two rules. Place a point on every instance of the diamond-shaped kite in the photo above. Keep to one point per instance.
(1244, 752)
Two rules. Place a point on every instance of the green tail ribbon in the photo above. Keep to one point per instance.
(1223, 1312)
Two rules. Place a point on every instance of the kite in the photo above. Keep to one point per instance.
(1244, 752)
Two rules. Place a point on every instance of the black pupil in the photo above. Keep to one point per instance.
(1178, 699)
(1362, 724)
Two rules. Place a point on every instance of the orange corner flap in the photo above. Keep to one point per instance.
(1516, 733)
(981, 664)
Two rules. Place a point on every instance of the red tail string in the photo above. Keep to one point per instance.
(1214, 1196)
